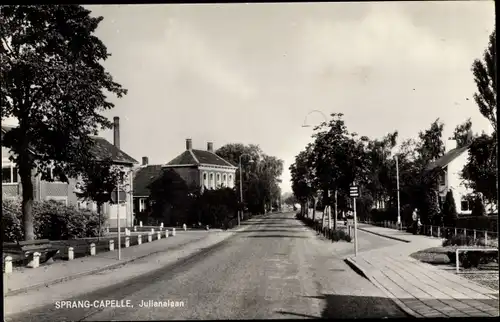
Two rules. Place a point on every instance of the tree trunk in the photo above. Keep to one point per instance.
(27, 203)
(99, 213)
(314, 209)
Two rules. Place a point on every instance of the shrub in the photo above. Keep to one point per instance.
(340, 235)
(461, 240)
(449, 213)
(478, 207)
(52, 220)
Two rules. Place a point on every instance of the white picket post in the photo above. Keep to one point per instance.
(8, 265)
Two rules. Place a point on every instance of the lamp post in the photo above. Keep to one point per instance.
(241, 186)
(397, 188)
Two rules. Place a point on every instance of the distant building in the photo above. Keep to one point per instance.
(449, 168)
(144, 175)
(203, 168)
(66, 193)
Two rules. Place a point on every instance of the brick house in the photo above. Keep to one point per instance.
(449, 168)
(203, 168)
(65, 192)
(143, 176)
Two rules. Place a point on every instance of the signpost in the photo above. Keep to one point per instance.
(354, 193)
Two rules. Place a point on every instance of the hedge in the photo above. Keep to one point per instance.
(52, 220)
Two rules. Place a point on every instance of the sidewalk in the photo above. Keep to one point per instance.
(422, 290)
(24, 279)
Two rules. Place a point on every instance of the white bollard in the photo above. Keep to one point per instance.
(127, 241)
(150, 237)
(166, 233)
(140, 223)
(184, 227)
(139, 239)
(111, 245)
(36, 260)
(439, 232)
(152, 230)
(159, 235)
(161, 225)
(92, 249)
(8, 265)
(71, 253)
(173, 231)
(135, 228)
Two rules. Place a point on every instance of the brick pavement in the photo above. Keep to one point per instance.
(421, 289)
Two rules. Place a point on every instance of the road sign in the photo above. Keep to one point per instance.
(122, 196)
(354, 191)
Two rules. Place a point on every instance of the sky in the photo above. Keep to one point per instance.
(251, 73)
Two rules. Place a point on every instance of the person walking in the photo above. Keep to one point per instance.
(414, 218)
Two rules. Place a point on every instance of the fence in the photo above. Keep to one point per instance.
(489, 238)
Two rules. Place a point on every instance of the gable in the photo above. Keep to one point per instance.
(447, 158)
(143, 178)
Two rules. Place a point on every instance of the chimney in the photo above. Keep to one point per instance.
(116, 131)
(450, 144)
(189, 144)
(145, 160)
(210, 147)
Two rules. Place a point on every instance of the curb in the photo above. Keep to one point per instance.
(397, 301)
(89, 272)
(381, 235)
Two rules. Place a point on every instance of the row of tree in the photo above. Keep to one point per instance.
(338, 158)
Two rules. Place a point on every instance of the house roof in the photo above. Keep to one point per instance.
(102, 149)
(199, 157)
(143, 178)
(447, 158)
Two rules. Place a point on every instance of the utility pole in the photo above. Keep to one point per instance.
(397, 182)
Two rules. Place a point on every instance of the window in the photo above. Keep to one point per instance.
(230, 181)
(211, 183)
(56, 175)
(9, 173)
(465, 204)
(218, 179)
(224, 180)
(142, 204)
(442, 178)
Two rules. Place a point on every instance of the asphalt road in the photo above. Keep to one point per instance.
(277, 268)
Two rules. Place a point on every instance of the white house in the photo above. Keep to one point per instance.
(450, 167)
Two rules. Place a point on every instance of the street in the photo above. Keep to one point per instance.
(277, 268)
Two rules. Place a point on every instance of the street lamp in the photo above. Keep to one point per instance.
(241, 185)
(397, 188)
(313, 111)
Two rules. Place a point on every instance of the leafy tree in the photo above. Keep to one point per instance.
(449, 210)
(54, 84)
(260, 177)
(98, 180)
(170, 196)
(481, 169)
(302, 177)
(485, 72)
(463, 133)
